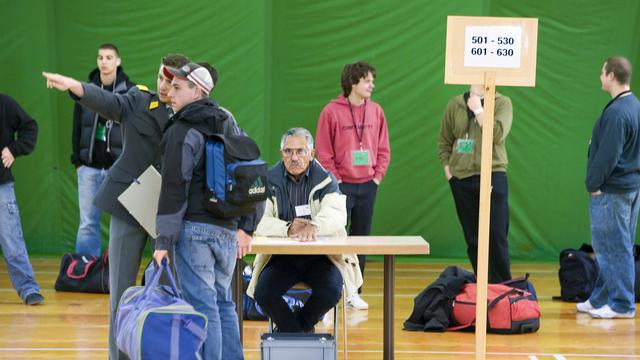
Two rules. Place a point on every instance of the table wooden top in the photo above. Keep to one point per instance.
(363, 245)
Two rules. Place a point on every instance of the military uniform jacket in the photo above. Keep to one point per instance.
(143, 118)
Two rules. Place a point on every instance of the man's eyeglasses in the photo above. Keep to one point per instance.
(298, 152)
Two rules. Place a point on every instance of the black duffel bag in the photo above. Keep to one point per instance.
(84, 273)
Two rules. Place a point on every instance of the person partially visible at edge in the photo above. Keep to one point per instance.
(352, 142)
(96, 143)
(304, 201)
(18, 135)
(143, 114)
(613, 182)
(205, 245)
(460, 144)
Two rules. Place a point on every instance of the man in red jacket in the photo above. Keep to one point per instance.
(352, 142)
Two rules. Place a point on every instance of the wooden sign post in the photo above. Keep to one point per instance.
(490, 51)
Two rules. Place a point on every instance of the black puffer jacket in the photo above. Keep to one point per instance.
(85, 123)
(433, 306)
(183, 172)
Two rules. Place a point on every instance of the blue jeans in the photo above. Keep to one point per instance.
(205, 259)
(88, 238)
(613, 232)
(12, 242)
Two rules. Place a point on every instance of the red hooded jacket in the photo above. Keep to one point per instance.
(336, 139)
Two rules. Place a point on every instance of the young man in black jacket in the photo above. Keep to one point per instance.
(205, 245)
(15, 121)
(96, 143)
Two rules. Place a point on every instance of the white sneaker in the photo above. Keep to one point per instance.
(356, 302)
(584, 307)
(606, 312)
(356, 317)
(327, 319)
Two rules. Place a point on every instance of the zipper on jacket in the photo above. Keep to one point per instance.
(92, 142)
(109, 125)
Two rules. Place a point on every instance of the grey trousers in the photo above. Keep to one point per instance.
(126, 244)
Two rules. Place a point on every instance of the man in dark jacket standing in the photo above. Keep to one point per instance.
(143, 114)
(613, 181)
(14, 120)
(205, 245)
(97, 143)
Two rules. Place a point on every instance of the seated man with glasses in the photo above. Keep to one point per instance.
(304, 202)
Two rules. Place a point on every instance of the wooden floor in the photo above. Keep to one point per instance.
(74, 326)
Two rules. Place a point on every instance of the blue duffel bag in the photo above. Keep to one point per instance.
(154, 321)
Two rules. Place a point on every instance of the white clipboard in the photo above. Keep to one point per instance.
(141, 199)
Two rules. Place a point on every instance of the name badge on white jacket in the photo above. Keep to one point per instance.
(303, 210)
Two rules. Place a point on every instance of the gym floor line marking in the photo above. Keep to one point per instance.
(493, 353)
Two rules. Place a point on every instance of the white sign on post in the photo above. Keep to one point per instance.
(492, 46)
(490, 51)
(480, 45)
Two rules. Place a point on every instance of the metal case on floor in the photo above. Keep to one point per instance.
(296, 346)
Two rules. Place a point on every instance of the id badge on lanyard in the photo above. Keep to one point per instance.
(101, 133)
(360, 157)
(465, 146)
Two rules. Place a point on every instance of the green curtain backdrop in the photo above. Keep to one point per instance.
(280, 63)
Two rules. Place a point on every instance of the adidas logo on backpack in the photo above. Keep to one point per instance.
(235, 176)
(257, 188)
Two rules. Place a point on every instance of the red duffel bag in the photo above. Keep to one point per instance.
(509, 310)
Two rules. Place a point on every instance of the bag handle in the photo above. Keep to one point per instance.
(502, 296)
(524, 278)
(489, 307)
(155, 279)
(72, 265)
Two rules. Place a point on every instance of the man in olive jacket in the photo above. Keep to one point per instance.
(460, 147)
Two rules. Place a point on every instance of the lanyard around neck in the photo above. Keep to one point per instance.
(360, 135)
(616, 98)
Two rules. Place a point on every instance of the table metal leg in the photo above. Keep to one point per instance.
(237, 293)
(388, 306)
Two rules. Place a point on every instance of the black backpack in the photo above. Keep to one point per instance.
(578, 273)
(295, 298)
(236, 177)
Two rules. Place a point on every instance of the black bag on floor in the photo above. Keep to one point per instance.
(250, 308)
(578, 273)
(84, 273)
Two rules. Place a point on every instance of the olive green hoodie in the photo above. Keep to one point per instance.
(454, 125)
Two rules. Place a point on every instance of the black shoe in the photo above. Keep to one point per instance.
(34, 299)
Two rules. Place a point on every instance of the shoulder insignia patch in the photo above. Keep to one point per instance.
(142, 87)
(153, 105)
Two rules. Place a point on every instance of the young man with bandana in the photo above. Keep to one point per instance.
(206, 246)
